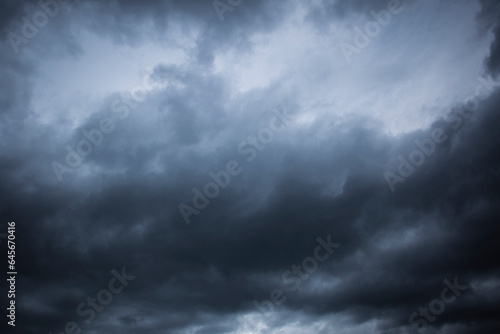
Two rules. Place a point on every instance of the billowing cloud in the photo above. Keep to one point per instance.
(172, 172)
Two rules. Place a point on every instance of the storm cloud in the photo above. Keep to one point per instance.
(172, 171)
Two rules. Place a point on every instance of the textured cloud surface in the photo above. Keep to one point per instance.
(251, 166)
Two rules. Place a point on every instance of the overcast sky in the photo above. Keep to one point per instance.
(264, 166)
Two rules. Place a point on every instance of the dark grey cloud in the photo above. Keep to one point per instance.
(118, 20)
(119, 208)
(489, 17)
(11, 9)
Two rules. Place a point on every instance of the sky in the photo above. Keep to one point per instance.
(237, 167)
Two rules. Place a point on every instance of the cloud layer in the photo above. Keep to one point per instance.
(117, 112)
